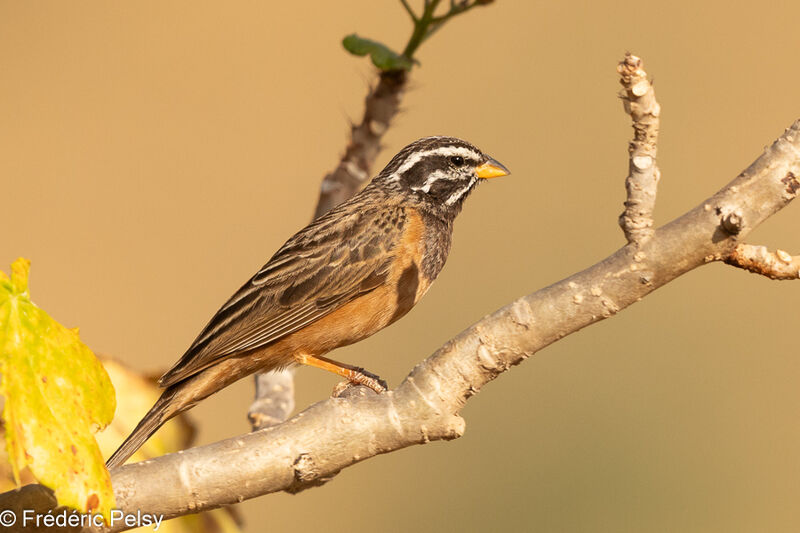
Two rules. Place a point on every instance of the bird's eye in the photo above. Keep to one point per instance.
(457, 160)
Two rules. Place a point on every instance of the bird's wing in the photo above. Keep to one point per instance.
(330, 262)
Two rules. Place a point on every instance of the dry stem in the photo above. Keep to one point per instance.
(643, 174)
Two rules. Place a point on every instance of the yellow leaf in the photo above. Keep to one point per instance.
(136, 394)
(56, 394)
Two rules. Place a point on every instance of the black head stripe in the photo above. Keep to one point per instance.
(427, 147)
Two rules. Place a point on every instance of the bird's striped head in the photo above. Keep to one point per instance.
(439, 171)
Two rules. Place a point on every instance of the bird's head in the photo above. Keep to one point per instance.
(439, 172)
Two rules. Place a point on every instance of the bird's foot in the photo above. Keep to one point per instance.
(358, 376)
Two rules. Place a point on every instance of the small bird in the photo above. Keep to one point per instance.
(348, 274)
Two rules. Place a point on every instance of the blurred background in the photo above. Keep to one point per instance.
(153, 155)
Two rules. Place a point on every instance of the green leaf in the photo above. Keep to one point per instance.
(56, 393)
(382, 56)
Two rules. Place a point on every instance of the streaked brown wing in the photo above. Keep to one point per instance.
(337, 258)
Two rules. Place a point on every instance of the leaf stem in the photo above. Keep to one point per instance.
(426, 24)
(455, 9)
(409, 10)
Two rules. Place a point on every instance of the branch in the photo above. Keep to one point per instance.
(315, 445)
(409, 10)
(354, 169)
(381, 106)
(643, 174)
(274, 399)
(757, 259)
(428, 23)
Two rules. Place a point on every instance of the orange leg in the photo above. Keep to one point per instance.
(354, 374)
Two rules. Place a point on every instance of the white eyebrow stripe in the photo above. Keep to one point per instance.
(455, 150)
(447, 151)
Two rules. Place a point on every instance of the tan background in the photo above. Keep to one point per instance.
(153, 155)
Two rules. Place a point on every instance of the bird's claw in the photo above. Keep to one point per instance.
(358, 377)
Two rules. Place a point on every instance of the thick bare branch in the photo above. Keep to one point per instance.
(643, 174)
(331, 435)
(759, 260)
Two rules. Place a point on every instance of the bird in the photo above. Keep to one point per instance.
(345, 276)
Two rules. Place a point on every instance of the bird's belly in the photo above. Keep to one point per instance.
(373, 311)
(350, 323)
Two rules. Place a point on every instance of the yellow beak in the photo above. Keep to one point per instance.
(492, 169)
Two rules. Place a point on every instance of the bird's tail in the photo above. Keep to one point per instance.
(163, 410)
